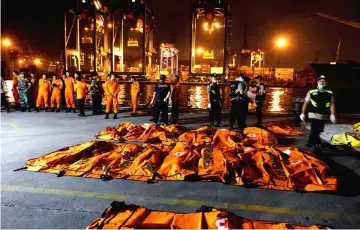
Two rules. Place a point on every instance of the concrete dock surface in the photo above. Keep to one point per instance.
(42, 200)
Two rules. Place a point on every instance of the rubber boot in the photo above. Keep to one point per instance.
(115, 115)
(107, 116)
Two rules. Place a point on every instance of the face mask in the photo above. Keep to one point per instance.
(241, 80)
(321, 86)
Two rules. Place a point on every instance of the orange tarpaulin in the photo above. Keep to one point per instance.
(281, 129)
(120, 215)
(277, 167)
(142, 133)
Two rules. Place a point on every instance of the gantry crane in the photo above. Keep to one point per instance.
(340, 20)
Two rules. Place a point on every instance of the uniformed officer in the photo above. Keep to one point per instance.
(259, 99)
(96, 94)
(175, 99)
(243, 102)
(214, 102)
(234, 111)
(23, 86)
(161, 94)
(321, 103)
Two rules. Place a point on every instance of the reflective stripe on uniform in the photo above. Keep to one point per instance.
(327, 104)
(313, 103)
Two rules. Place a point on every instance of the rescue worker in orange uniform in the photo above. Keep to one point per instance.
(80, 88)
(69, 92)
(14, 89)
(43, 93)
(56, 93)
(112, 88)
(135, 88)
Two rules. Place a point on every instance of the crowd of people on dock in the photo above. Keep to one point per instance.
(68, 89)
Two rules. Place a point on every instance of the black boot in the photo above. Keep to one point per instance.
(67, 110)
(74, 110)
(23, 109)
(29, 110)
(52, 110)
(37, 109)
(212, 124)
(107, 116)
(57, 110)
(115, 115)
(46, 109)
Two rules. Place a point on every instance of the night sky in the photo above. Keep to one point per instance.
(40, 23)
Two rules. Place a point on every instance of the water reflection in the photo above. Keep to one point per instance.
(275, 101)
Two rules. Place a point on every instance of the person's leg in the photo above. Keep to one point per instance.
(4, 102)
(259, 113)
(109, 102)
(212, 112)
(165, 111)
(175, 112)
(94, 104)
(58, 100)
(246, 112)
(98, 104)
(82, 107)
(46, 101)
(53, 101)
(218, 113)
(116, 107)
(134, 102)
(157, 112)
(240, 115)
(27, 102)
(313, 132)
(232, 115)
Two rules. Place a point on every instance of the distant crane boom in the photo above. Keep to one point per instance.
(340, 20)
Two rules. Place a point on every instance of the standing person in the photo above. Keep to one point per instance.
(112, 89)
(63, 100)
(175, 98)
(161, 94)
(243, 102)
(322, 103)
(23, 87)
(14, 90)
(69, 92)
(56, 93)
(214, 101)
(43, 93)
(4, 101)
(80, 88)
(259, 99)
(33, 92)
(96, 93)
(235, 108)
(135, 88)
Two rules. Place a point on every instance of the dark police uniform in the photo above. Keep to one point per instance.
(319, 110)
(215, 111)
(234, 111)
(161, 89)
(243, 104)
(96, 95)
(259, 100)
(22, 86)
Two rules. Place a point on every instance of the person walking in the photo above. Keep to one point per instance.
(161, 95)
(112, 89)
(80, 88)
(96, 94)
(259, 99)
(56, 93)
(214, 101)
(69, 92)
(43, 93)
(4, 101)
(175, 100)
(135, 88)
(321, 103)
(23, 87)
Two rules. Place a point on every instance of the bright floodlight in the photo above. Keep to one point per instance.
(281, 42)
(6, 42)
(37, 61)
(200, 51)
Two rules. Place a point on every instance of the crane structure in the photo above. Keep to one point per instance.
(340, 20)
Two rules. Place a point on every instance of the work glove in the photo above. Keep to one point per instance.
(209, 105)
(302, 117)
(333, 118)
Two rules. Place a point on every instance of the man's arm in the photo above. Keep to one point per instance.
(306, 102)
(153, 98)
(168, 94)
(332, 106)
(29, 85)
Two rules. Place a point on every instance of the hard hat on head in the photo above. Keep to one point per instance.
(322, 77)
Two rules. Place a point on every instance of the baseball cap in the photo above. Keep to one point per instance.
(322, 77)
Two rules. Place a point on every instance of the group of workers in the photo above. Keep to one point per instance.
(320, 100)
(239, 101)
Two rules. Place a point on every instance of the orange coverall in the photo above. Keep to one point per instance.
(69, 92)
(135, 88)
(112, 90)
(43, 93)
(15, 91)
(56, 93)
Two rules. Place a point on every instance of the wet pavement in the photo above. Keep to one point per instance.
(41, 200)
